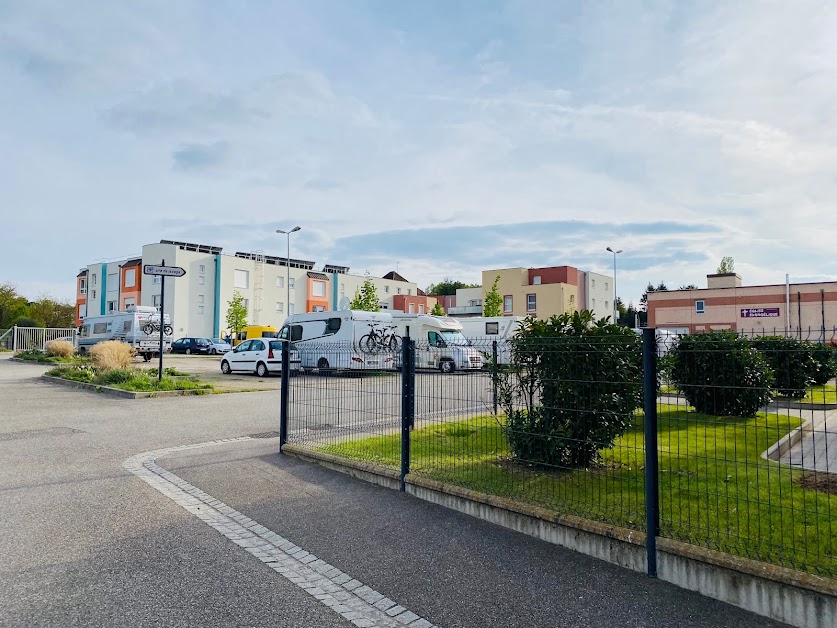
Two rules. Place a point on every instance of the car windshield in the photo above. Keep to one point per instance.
(218, 341)
(454, 338)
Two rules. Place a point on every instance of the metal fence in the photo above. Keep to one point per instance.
(606, 429)
(35, 338)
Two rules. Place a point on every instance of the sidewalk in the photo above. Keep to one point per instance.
(444, 566)
(817, 449)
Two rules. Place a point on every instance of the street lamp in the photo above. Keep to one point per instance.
(615, 309)
(288, 267)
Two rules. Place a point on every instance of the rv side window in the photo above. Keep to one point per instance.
(314, 329)
(84, 332)
(296, 333)
(333, 326)
(127, 325)
(100, 328)
(492, 329)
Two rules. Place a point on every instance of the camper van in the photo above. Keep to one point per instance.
(482, 331)
(344, 339)
(439, 342)
(255, 331)
(138, 326)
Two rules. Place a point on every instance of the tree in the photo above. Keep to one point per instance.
(366, 298)
(492, 305)
(236, 313)
(727, 266)
(627, 318)
(438, 310)
(12, 305)
(689, 286)
(53, 313)
(447, 287)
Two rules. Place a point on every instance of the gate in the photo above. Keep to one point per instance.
(36, 338)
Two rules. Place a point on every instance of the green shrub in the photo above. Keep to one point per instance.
(571, 390)
(721, 374)
(116, 376)
(78, 373)
(826, 366)
(792, 363)
(32, 354)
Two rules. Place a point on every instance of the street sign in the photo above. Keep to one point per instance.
(163, 271)
(760, 312)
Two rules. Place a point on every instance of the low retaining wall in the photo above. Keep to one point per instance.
(125, 394)
(793, 597)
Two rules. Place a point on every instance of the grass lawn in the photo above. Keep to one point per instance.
(715, 489)
(820, 394)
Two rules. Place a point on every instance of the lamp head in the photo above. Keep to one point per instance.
(297, 228)
(610, 249)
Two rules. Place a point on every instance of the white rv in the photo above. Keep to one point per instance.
(138, 326)
(344, 339)
(439, 342)
(482, 331)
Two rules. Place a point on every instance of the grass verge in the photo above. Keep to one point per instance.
(133, 380)
(41, 357)
(715, 489)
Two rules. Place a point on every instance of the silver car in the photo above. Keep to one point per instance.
(218, 345)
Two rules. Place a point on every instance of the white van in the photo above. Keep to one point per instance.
(138, 326)
(344, 339)
(482, 331)
(439, 342)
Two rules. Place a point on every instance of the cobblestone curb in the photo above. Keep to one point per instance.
(357, 602)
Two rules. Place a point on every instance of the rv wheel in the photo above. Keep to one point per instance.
(447, 366)
(323, 367)
(146, 357)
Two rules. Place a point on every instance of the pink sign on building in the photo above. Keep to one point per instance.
(760, 312)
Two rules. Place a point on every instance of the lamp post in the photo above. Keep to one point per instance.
(615, 309)
(288, 267)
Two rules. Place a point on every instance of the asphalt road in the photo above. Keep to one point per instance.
(85, 543)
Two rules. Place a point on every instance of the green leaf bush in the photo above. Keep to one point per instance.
(722, 374)
(792, 362)
(826, 367)
(572, 388)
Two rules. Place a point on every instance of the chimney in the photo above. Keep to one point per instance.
(724, 280)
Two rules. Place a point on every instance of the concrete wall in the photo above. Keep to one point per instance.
(597, 294)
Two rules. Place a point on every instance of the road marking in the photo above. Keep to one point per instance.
(360, 604)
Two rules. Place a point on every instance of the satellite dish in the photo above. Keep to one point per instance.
(344, 304)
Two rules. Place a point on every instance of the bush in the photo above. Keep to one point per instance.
(60, 348)
(112, 354)
(792, 362)
(826, 366)
(116, 376)
(25, 321)
(84, 374)
(572, 388)
(721, 374)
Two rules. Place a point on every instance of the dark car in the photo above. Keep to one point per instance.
(191, 345)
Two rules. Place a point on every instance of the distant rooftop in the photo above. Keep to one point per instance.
(188, 246)
(277, 261)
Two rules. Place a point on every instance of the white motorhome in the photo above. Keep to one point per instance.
(439, 342)
(343, 339)
(138, 326)
(482, 331)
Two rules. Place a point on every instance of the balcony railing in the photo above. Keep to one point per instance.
(474, 310)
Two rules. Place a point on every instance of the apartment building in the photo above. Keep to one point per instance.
(547, 291)
(272, 287)
(804, 309)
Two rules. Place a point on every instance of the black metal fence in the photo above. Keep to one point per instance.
(694, 447)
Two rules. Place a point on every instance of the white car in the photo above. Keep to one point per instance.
(261, 356)
(219, 345)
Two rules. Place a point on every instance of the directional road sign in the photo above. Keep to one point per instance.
(164, 271)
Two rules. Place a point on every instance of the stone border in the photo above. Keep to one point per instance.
(124, 394)
(793, 438)
(797, 598)
(358, 603)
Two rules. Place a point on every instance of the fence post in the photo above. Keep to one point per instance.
(285, 394)
(652, 478)
(14, 342)
(495, 374)
(408, 380)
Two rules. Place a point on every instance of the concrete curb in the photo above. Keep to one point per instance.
(793, 438)
(797, 598)
(124, 394)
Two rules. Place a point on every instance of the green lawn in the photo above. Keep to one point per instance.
(821, 394)
(715, 489)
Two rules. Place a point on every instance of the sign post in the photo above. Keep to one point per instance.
(162, 271)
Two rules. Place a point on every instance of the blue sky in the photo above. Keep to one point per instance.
(442, 137)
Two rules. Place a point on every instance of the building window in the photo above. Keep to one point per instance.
(201, 268)
(607, 305)
(241, 279)
(412, 308)
(536, 280)
(129, 302)
(111, 306)
(113, 284)
(421, 308)
(201, 280)
(155, 300)
(292, 283)
(291, 308)
(246, 304)
(93, 293)
(157, 279)
(200, 310)
(594, 303)
(398, 290)
(280, 307)
(700, 307)
(319, 289)
(606, 286)
(592, 283)
(82, 310)
(409, 291)
(386, 288)
(131, 278)
(507, 303)
(93, 279)
(318, 308)
(342, 289)
(531, 302)
(200, 299)
(280, 282)
(82, 286)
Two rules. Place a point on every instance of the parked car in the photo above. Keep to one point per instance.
(219, 345)
(261, 356)
(191, 345)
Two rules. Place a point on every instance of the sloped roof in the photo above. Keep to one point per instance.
(316, 275)
(394, 276)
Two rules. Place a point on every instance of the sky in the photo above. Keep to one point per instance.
(439, 137)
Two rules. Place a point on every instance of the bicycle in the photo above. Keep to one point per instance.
(380, 339)
(151, 328)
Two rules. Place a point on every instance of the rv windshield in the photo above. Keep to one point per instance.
(454, 338)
